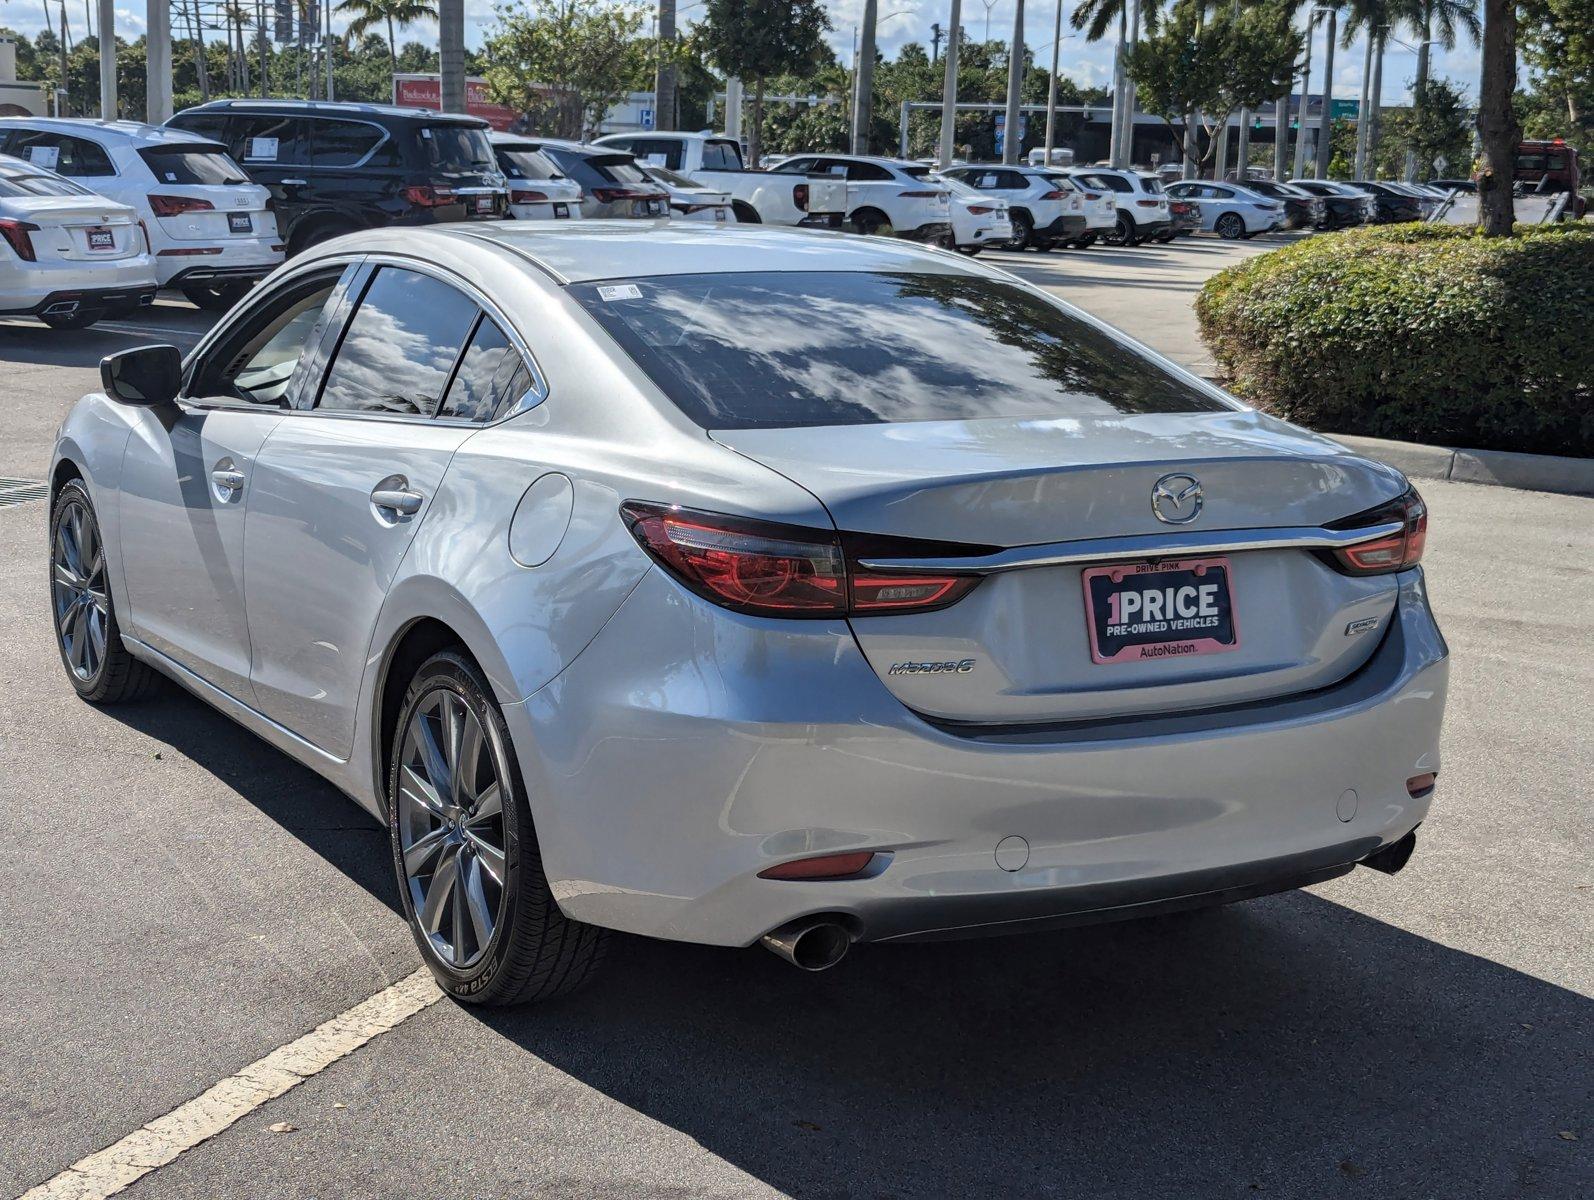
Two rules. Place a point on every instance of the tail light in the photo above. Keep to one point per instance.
(427, 195)
(172, 206)
(920, 195)
(526, 197)
(774, 570)
(982, 209)
(1054, 194)
(799, 196)
(16, 233)
(1388, 552)
(1093, 195)
(1147, 203)
(144, 229)
(608, 195)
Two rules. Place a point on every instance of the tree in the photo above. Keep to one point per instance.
(1556, 39)
(400, 13)
(1214, 63)
(567, 64)
(755, 39)
(1497, 120)
(1451, 17)
(1437, 125)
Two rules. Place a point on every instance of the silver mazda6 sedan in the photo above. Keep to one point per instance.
(749, 585)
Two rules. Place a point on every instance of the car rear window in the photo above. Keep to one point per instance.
(192, 164)
(22, 183)
(803, 348)
(456, 148)
(527, 164)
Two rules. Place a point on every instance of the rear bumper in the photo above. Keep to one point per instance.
(689, 748)
(71, 300)
(253, 259)
(1069, 225)
(928, 232)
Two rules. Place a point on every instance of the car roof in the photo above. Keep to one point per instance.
(338, 108)
(585, 251)
(112, 133)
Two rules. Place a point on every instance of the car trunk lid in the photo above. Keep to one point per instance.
(1078, 493)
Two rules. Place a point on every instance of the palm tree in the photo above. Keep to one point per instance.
(1096, 17)
(1374, 19)
(1451, 17)
(368, 14)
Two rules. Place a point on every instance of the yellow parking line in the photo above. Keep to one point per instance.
(108, 1171)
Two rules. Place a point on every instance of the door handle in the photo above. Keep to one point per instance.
(227, 478)
(293, 182)
(398, 500)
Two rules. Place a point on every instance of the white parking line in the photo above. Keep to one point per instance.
(108, 1171)
(119, 327)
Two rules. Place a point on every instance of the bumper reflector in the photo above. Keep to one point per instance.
(827, 866)
(1421, 785)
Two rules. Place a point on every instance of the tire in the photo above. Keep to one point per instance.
(1165, 238)
(1043, 247)
(82, 609)
(869, 221)
(1230, 227)
(1023, 230)
(1086, 242)
(303, 237)
(216, 297)
(971, 251)
(1121, 234)
(76, 320)
(531, 951)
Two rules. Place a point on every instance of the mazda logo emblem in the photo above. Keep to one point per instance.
(1176, 499)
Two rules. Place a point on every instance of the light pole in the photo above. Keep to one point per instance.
(989, 4)
(1421, 51)
(450, 53)
(863, 74)
(1051, 90)
(1306, 95)
(107, 60)
(949, 86)
(1015, 83)
(158, 61)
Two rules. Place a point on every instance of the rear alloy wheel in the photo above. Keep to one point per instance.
(465, 852)
(1121, 234)
(216, 297)
(86, 633)
(1023, 228)
(868, 222)
(1230, 226)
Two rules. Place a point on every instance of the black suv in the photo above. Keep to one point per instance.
(336, 168)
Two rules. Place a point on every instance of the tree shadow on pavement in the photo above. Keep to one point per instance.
(1286, 1047)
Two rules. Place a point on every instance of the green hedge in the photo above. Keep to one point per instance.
(1423, 333)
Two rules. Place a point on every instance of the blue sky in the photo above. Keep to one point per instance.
(910, 20)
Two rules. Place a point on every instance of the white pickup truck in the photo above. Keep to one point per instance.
(756, 196)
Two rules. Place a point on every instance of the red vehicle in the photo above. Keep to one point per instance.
(1548, 168)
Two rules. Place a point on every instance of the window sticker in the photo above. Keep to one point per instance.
(620, 291)
(656, 160)
(44, 156)
(987, 181)
(263, 147)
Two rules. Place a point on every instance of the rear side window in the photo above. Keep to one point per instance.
(192, 164)
(344, 143)
(400, 346)
(1111, 183)
(802, 348)
(722, 156)
(75, 157)
(490, 375)
(864, 172)
(1151, 184)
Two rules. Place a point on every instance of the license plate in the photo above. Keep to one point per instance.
(102, 239)
(653, 208)
(719, 214)
(484, 204)
(561, 210)
(240, 223)
(1174, 609)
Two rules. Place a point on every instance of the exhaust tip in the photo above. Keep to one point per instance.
(809, 945)
(1394, 856)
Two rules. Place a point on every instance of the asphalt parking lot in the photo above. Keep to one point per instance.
(179, 900)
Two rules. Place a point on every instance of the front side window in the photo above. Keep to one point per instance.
(192, 164)
(255, 362)
(804, 348)
(400, 346)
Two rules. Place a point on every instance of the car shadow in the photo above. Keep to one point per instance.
(1290, 1046)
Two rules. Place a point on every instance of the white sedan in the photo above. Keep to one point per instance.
(689, 199)
(1229, 210)
(979, 219)
(70, 257)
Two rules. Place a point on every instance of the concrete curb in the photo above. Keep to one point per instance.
(1497, 468)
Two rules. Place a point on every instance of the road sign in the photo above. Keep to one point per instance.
(647, 118)
(1001, 130)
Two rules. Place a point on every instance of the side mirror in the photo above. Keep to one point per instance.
(145, 376)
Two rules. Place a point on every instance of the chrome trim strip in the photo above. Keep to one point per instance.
(1152, 545)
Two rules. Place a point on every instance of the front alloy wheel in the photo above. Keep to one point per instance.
(1230, 226)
